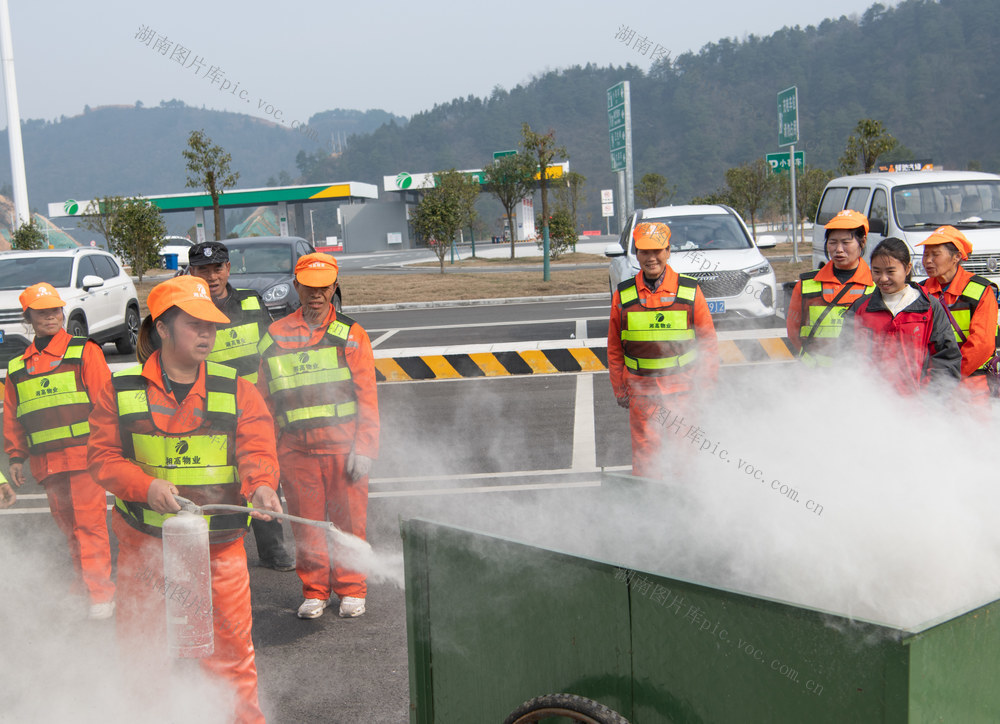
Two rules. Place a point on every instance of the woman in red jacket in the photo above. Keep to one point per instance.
(903, 331)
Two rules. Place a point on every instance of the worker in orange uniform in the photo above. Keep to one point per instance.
(177, 425)
(48, 397)
(970, 300)
(236, 346)
(661, 345)
(318, 375)
(821, 298)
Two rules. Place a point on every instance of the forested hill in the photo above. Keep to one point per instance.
(928, 70)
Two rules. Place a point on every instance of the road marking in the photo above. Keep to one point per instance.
(383, 338)
(480, 476)
(605, 307)
(30, 511)
(581, 329)
(518, 322)
(584, 439)
(484, 489)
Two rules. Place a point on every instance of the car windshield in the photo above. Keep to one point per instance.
(704, 231)
(22, 272)
(261, 259)
(963, 204)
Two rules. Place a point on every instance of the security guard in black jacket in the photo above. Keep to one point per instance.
(236, 346)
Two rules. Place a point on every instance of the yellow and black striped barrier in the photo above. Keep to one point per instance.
(552, 361)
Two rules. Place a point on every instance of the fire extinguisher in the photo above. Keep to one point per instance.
(190, 634)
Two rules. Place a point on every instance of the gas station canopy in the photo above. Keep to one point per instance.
(237, 198)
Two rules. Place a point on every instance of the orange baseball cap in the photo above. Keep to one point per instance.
(316, 270)
(848, 219)
(190, 294)
(40, 296)
(651, 235)
(949, 235)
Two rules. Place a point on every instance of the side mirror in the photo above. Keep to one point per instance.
(612, 250)
(92, 281)
(876, 226)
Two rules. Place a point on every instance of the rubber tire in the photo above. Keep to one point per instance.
(126, 344)
(77, 327)
(577, 708)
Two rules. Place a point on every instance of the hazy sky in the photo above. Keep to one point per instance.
(299, 58)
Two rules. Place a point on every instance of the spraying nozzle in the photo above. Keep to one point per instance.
(355, 551)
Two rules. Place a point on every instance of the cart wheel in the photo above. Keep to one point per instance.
(575, 708)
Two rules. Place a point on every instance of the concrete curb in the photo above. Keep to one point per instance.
(474, 302)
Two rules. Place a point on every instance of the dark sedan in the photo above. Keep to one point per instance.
(266, 264)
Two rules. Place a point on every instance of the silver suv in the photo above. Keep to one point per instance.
(712, 244)
(101, 302)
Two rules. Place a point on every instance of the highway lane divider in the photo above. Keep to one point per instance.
(540, 358)
(552, 357)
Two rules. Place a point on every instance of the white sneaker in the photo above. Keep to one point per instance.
(101, 611)
(312, 608)
(351, 607)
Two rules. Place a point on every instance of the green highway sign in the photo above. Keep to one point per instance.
(616, 95)
(501, 154)
(618, 138)
(617, 126)
(779, 161)
(788, 116)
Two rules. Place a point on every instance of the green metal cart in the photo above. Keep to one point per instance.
(493, 622)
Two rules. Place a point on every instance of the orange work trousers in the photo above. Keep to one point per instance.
(317, 487)
(653, 419)
(142, 625)
(80, 509)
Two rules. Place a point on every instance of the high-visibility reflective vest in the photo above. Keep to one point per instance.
(819, 335)
(53, 407)
(201, 463)
(965, 306)
(658, 336)
(311, 386)
(236, 343)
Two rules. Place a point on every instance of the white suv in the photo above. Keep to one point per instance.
(100, 297)
(713, 245)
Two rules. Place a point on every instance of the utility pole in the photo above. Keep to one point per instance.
(19, 182)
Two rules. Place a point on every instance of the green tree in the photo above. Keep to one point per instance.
(719, 196)
(444, 210)
(543, 147)
(652, 190)
(100, 214)
(208, 168)
(809, 187)
(28, 237)
(510, 179)
(869, 141)
(750, 185)
(562, 232)
(571, 197)
(136, 234)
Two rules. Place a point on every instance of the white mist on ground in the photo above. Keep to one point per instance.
(57, 666)
(823, 488)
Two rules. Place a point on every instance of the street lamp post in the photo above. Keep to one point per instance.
(312, 229)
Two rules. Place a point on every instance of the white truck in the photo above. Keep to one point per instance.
(911, 204)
